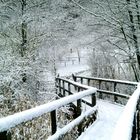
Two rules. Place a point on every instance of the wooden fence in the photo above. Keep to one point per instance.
(88, 81)
(132, 107)
(11, 121)
(75, 94)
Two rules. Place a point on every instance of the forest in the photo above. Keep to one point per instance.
(42, 39)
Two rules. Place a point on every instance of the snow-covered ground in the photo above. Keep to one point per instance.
(73, 66)
(103, 127)
(67, 71)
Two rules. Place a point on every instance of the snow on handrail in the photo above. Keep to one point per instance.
(108, 80)
(27, 115)
(75, 83)
(123, 130)
(59, 133)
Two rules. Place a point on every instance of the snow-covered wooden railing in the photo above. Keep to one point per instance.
(65, 86)
(12, 120)
(68, 87)
(128, 126)
(114, 92)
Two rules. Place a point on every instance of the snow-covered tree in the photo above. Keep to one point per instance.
(117, 23)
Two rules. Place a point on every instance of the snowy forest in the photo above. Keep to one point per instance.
(41, 39)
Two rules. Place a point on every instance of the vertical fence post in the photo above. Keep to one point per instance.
(78, 114)
(5, 135)
(79, 105)
(56, 85)
(88, 82)
(69, 88)
(59, 84)
(115, 97)
(100, 94)
(63, 88)
(93, 99)
(99, 84)
(74, 79)
(53, 121)
(115, 85)
(81, 80)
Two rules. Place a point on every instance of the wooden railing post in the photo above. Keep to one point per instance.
(74, 79)
(64, 88)
(59, 84)
(56, 84)
(100, 94)
(69, 88)
(5, 135)
(78, 114)
(88, 82)
(53, 122)
(93, 99)
(79, 107)
(115, 97)
(81, 80)
(115, 85)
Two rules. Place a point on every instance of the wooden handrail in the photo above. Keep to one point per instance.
(130, 116)
(102, 91)
(63, 86)
(108, 80)
(60, 82)
(60, 133)
(127, 127)
(114, 93)
(73, 83)
(12, 120)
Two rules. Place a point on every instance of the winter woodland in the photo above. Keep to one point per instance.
(40, 39)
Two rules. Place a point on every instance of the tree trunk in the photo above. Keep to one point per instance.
(23, 29)
(138, 13)
(134, 36)
(78, 53)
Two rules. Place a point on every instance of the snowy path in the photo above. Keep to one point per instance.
(67, 71)
(102, 129)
